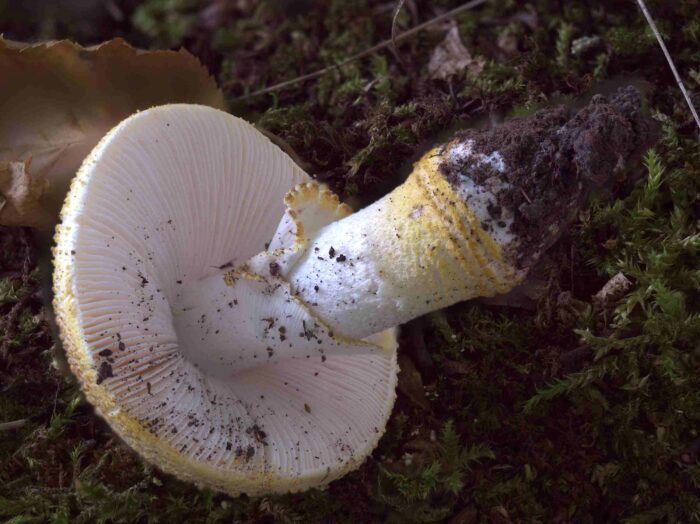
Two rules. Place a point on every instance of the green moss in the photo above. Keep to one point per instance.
(565, 34)
(429, 493)
(626, 41)
(167, 22)
(9, 292)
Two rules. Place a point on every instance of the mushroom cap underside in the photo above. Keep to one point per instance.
(167, 199)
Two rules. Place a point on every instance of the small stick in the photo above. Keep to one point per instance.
(652, 24)
(397, 10)
(381, 45)
(15, 424)
(529, 201)
(394, 25)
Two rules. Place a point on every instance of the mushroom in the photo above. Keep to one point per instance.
(240, 388)
(257, 369)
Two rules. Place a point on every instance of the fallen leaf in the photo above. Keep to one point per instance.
(524, 296)
(499, 515)
(456, 368)
(507, 41)
(450, 58)
(21, 194)
(411, 382)
(613, 290)
(57, 99)
(468, 515)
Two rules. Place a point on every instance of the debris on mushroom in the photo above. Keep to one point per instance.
(253, 354)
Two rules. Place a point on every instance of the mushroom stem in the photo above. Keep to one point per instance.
(418, 249)
(472, 218)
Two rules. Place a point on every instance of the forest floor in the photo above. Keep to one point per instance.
(555, 406)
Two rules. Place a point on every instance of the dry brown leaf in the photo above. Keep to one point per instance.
(411, 382)
(507, 41)
(468, 515)
(524, 296)
(20, 193)
(450, 58)
(57, 99)
(613, 290)
(457, 368)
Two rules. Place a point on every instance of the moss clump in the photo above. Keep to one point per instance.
(167, 22)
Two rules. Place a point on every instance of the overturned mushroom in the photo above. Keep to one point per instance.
(242, 389)
(275, 371)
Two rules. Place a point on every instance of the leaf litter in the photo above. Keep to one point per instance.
(57, 100)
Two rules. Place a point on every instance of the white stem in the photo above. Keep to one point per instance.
(395, 260)
(350, 275)
(332, 281)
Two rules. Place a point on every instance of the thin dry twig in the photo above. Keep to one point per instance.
(394, 26)
(361, 54)
(652, 24)
(14, 424)
(394, 20)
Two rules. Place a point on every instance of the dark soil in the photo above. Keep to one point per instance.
(554, 162)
